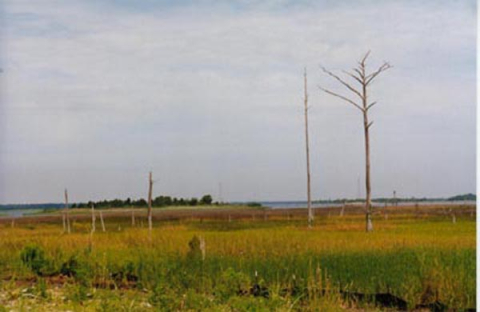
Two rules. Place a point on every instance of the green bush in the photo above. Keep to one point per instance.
(80, 270)
(34, 257)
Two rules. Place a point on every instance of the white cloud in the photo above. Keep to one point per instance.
(89, 87)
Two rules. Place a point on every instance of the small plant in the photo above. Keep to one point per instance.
(42, 288)
(76, 269)
(164, 298)
(70, 268)
(34, 257)
(232, 283)
(77, 293)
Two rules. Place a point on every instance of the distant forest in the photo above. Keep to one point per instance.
(160, 201)
(164, 201)
(468, 196)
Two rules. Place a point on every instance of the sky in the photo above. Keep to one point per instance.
(208, 96)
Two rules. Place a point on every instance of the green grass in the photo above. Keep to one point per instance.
(418, 260)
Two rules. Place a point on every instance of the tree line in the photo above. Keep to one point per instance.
(160, 201)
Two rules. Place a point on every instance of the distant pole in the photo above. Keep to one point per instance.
(93, 227)
(307, 149)
(395, 198)
(101, 221)
(93, 218)
(150, 186)
(64, 220)
(66, 211)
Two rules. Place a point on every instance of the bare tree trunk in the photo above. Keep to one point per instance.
(307, 149)
(101, 221)
(368, 202)
(342, 212)
(66, 211)
(133, 217)
(150, 185)
(93, 218)
(64, 220)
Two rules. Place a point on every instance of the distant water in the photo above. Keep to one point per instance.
(303, 204)
(17, 213)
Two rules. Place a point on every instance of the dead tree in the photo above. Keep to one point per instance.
(66, 212)
(64, 220)
(93, 219)
(342, 212)
(101, 221)
(364, 79)
(307, 149)
(150, 185)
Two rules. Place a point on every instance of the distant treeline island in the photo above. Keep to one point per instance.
(165, 201)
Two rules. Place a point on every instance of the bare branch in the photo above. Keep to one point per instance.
(370, 124)
(353, 76)
(359, 72)
(365, 57)
(372, 76)
(342, 97)
(342, 82)
(370, 105)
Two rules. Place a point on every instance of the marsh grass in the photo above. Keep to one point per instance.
(277, 264)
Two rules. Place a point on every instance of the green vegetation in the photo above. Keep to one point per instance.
(159, 201)
(239, 265)
(463, 197)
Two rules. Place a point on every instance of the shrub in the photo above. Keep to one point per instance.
(80, 270)
(34, 257)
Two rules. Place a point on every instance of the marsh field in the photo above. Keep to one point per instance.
(237, 258)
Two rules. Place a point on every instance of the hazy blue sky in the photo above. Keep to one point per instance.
(97, 93)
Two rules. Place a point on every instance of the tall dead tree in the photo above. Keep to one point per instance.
(150, 186)
(307, 149)
(66, 212)
(364, 79)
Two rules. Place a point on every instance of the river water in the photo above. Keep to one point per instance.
(303, 204)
